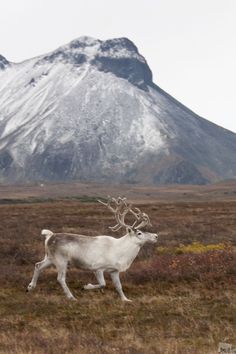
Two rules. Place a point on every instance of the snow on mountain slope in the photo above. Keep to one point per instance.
(89, 110)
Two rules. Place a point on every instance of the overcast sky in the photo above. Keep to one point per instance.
(190, 45)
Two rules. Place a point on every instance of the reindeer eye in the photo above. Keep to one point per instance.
(139, 233)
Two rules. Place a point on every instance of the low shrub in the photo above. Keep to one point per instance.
(207, 266)
(195, 247)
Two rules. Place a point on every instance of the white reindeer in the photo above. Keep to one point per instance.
(98, 254)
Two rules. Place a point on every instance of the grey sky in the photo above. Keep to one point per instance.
(190, 45)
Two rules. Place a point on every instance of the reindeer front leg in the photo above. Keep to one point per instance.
(116, 281)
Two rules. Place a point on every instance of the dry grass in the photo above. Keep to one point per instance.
(182, 303)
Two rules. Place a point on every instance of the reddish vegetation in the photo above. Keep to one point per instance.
(207, 267)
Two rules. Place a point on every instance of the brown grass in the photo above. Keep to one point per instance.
(182, 303)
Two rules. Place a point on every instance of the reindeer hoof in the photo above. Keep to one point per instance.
(72, 298)
(88, 287)
(29, 288)
(126, 300)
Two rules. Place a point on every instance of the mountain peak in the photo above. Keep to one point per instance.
(118, 56)
(114, 48)
(119, 44)
(84, 41)
(121, 57)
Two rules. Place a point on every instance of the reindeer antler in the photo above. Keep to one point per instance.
(121, 209)
(141, 217)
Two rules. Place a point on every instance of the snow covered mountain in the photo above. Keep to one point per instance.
(90, 111)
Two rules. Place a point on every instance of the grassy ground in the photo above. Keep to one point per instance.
(184, 298)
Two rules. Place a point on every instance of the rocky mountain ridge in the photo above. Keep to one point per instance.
(90, 111)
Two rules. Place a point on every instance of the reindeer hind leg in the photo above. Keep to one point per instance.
(45, 263)
(101, 281)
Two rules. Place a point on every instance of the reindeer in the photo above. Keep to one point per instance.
(98, 254)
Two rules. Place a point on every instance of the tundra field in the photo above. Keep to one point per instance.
(183, 288)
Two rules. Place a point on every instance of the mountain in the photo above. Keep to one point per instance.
(90, 111)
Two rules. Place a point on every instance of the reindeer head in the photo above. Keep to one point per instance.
(120, 208)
